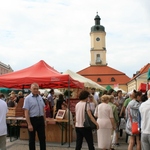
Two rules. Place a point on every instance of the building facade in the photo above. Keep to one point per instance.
(99, 71)
(138, 78)
(5, 68)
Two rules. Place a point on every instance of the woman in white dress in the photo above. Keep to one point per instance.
(106, 123)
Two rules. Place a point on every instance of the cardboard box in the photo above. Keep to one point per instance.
(24, 134)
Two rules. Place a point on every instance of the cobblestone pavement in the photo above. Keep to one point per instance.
(23, 145)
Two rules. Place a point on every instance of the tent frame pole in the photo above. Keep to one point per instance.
(69, 109)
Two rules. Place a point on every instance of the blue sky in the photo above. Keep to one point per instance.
(58, 32)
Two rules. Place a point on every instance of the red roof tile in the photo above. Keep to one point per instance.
(105, 73)
(142, 71)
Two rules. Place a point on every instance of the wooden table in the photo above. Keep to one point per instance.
(53, 132)
(15, 126)
(15, 118)
(52, 129)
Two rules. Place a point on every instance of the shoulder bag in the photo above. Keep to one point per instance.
(122, 124)
(88, 122)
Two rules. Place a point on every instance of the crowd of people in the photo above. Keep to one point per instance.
(111, 111)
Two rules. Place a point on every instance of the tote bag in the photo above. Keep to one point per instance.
(122, 124)
(88, 123)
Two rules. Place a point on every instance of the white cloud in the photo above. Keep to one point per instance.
(58, 32)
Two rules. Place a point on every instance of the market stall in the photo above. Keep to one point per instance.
(41, 73)
(57, 130)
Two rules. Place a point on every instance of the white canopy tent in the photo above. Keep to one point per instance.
(46, 91)
(87, 82)
(116, 89)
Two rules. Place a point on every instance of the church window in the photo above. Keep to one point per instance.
(113, 79)
(98, 79)
(98, 59)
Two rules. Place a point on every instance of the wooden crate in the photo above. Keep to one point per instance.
(16, 111)
(24, 134)
(13, 112)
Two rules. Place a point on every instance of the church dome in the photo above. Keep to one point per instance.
(97, 26)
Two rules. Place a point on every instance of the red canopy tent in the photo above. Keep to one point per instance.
(44, 75)
(143, 87)
(41, 73)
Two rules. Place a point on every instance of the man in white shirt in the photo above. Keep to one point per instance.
(3, 127)
(145, 123)
(95, 95)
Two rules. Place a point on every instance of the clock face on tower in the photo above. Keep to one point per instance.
(97, 39)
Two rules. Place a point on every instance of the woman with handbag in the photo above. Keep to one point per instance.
(105, 119)
(81, 131)
(132, 112)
